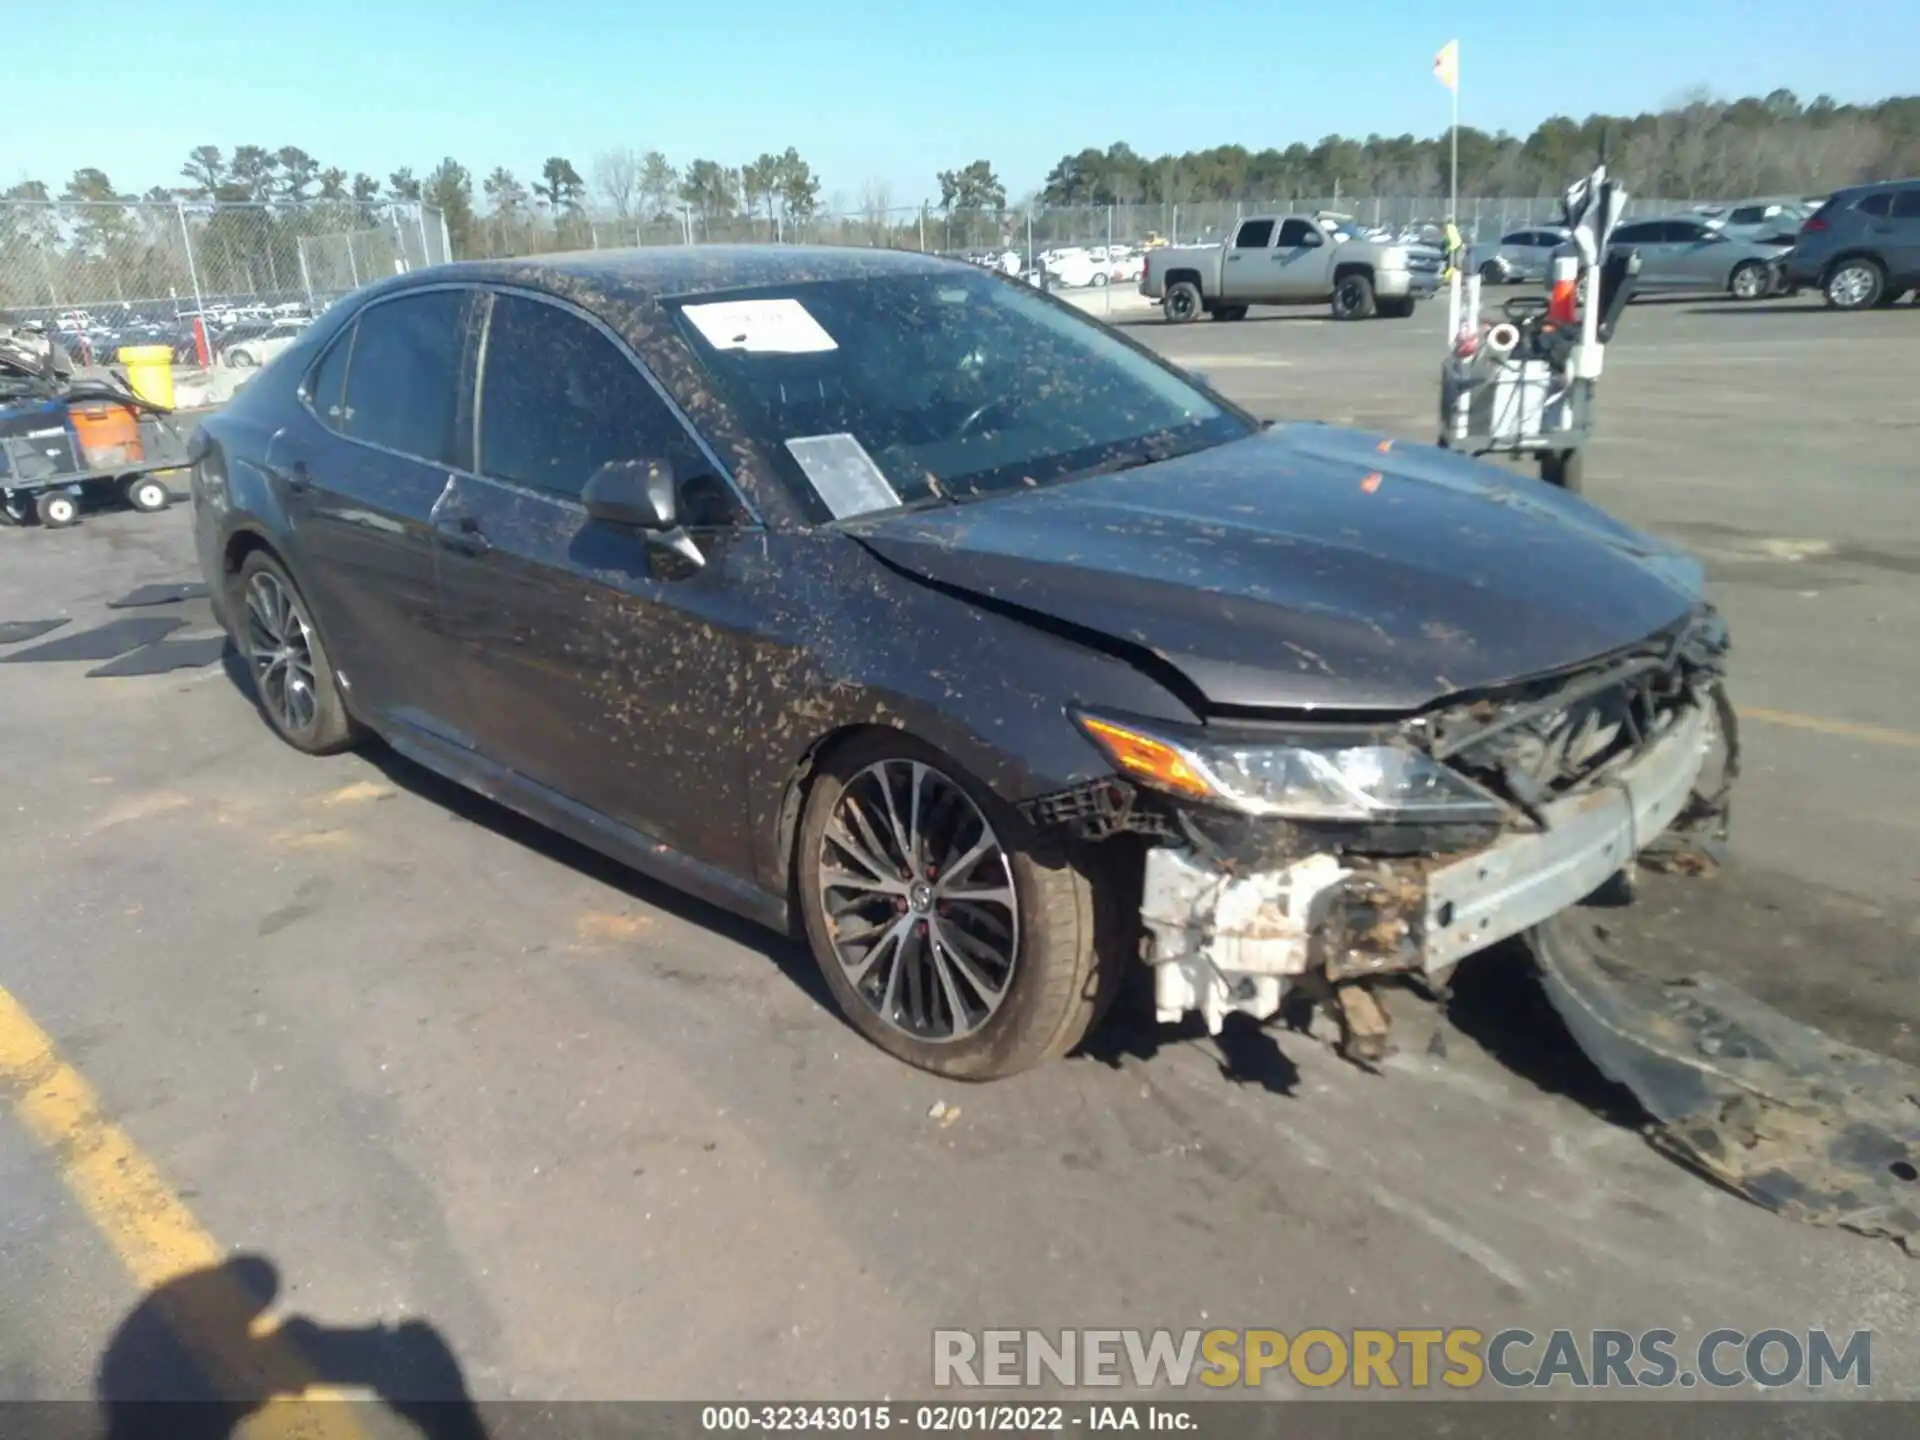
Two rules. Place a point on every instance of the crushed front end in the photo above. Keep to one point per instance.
(1330, 858)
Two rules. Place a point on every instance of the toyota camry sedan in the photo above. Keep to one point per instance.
(900, 606)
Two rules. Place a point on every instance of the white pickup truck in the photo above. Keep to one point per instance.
(1322, 259)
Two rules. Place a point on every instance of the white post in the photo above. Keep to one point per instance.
(1453, 175)
(306, 275)
(1108, 287)
(1453, 312)
(420, 219)
(193, 270)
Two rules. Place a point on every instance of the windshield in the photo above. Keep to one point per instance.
(898, 390)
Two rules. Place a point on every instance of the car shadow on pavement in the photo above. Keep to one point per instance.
(195, 1359)
(1249, 1053)
(1297, 316)
(790, 956)
(1497, 1001)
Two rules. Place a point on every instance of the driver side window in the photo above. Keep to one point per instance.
(1295, 233)
(558, 400)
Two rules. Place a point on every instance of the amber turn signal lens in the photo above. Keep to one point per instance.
(1147, 759)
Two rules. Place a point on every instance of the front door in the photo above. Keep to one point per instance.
(1248, 267)
(596, 664)
(362, 467)
(1303, 265)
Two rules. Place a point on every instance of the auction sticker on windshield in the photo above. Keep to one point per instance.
(760, 327)
(844, 474)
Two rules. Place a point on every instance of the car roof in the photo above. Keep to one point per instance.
(645, 274)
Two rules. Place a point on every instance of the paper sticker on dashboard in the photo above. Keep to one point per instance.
(760, 327)
(844, 474)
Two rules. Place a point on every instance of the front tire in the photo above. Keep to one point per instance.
(240, 359)
(1750, 281)
(293, 679)
(1353, 297)
(1855, 284)
(1183, 303)
(1563, 468)
(1491, 273)
(948, 934)
(1230, 312)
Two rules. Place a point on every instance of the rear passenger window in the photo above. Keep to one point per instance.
(1255, 235)
(404, 375)
(559, 400)
(1876, 204)
(1906, 204)
(328, 380)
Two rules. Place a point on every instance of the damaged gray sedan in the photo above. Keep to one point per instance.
(904, 607)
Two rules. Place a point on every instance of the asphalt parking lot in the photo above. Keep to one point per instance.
(435, 1063)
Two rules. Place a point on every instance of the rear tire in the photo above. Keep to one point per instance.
(148, 495)
(1353, 297)
(1060, 977)
(1855, 284)
(293, 678)
(1183, 303)
(1492, 273)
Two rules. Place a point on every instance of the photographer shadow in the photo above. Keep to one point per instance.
(196, 1359)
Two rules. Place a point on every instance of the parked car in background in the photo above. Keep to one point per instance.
(256, 350)
(1862, 247)
(1519, 257)
(1292, 260)
(918, 615)
(1774, 220)
(1687, 253)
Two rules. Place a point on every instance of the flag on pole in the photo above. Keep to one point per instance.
(1446, 66)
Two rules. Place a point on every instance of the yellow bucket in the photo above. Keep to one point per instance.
(150, 372)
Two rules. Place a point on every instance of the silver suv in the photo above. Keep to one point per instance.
(1861, 248)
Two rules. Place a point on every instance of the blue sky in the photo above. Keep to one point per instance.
(891, 90)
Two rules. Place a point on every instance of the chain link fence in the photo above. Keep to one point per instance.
(63, 260)
(1024, 229)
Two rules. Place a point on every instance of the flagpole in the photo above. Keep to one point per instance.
(1453, 180)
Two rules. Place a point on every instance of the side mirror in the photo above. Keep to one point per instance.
(1314, 238)
(643, 495)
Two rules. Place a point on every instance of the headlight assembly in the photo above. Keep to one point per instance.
(1375, 783)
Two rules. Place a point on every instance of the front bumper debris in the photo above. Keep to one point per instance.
(1223, 940)
(1794, 1120)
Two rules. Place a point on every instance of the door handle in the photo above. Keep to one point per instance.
(464, 535)
(298, 477)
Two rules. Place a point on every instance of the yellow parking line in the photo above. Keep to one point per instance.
(1874, 734)
(156, 1237)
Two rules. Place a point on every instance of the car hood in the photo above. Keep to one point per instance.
(1311, 567)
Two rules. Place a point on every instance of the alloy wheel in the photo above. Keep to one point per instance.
(1852, 286)
(918, 895)
(280, 652)
(1749, 282)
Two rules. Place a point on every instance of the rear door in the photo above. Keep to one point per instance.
(595, 664)
(1902, 247)
(1648, 238)
(1245, 273)
(363, 468)
(1303, 261)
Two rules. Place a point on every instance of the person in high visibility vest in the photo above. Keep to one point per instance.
(1456, 258)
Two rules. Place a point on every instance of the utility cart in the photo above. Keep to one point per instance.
(1525, 385)
(93, 444)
